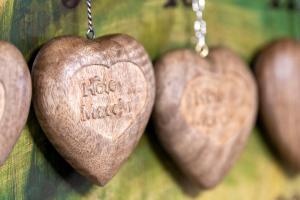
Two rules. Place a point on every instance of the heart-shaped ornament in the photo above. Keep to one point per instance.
(15, 97)
(278, 76)
(93, 99)
(204, 111)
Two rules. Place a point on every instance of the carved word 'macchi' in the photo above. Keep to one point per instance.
(101, 112)
(97, 87)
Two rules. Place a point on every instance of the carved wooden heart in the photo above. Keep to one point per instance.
(204, 111)
(93, 99)
(15, 97)
(278, 75)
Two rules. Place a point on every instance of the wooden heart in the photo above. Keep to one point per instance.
(15, 97)
(93, 99)
(204, 111)
(278, 75)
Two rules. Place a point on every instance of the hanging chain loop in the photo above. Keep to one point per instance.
(90, 33)
(200, 27)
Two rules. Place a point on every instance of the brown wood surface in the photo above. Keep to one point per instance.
(35, 171)
(278, 75)
(93, 99)
(15, 97)
(205, 110)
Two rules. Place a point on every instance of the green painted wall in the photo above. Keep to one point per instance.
(35, 171)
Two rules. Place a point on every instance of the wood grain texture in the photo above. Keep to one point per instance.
(93, 99)
(278, 75)
(204, 111)
(15, 97)
(34, 170)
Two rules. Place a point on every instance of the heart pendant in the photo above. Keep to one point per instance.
(204, 111)
(278, 75)
(93, 99)
(15, 97)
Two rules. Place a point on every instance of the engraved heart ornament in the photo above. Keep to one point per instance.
(15, 97)
(278, 77)
(204, 111)
(93, 99)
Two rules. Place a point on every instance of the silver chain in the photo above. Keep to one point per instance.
(90, 34)
(200, 27)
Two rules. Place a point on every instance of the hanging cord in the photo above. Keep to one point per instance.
(90, 34)
(200, 28)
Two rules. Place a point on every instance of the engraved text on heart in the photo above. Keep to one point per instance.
(217, 106)
(95, 86)
(110, 98)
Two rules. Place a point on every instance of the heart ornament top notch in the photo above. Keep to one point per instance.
(93, 99)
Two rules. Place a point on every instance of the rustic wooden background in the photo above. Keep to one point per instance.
(35, 171)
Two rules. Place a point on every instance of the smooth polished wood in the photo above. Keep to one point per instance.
(204, 111)
(93, 99)
(278, 75)
(15, 97)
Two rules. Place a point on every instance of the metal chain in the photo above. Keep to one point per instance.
(200, 27)
(90, 34)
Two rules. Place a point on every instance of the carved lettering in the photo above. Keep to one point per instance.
(99, 112)
(104, 87)
(108, 98)
(208, 102)
(96, 86)
(206, 97)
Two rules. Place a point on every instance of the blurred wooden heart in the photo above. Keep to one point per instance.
(278, 75)
(93, 99)
(204, 111)
(15, 97)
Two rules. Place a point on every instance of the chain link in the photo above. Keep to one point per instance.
(200, 27)
(90, 33)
